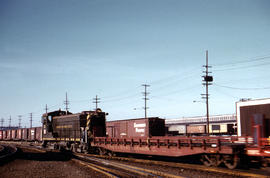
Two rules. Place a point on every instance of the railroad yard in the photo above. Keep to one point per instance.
(86, 145)
(165, 89)
(31, 160)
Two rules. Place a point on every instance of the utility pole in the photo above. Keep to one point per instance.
(66, 102)
(31, 119)
(20, 118)
(2, 122)
(96, 101)
(145, 93)
(207, 80)
(9, 121)
(46, 109)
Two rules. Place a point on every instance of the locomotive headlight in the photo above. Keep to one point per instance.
(213, 145)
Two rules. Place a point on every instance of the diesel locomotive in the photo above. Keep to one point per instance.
(74, 132)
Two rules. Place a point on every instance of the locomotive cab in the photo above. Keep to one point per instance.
(47, 120)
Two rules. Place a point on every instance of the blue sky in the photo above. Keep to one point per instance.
(110, 47)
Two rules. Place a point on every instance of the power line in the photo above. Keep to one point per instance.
(236, 88)
(187, 89)
(124, 92)
(255, 59)
(243, 67)
(173, 77)
(174, 83)
(120, 99)
(226, 94)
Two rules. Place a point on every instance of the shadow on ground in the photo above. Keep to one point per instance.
(39, 156)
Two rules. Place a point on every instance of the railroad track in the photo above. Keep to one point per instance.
(111, 167)
(115, 169)
(185, 166)
(7, 151)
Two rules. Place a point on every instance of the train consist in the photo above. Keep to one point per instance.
(22, 134)
(88, 131)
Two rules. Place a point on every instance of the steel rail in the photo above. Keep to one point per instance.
(186, 166)
(180, 165)
(97, 168)
(1, 148)
(116, 166)
(7, 151)
(134, 169)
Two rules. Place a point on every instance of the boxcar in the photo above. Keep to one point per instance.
(179, 129)
(25, 134)
(8, 135)
(13, 134)
(35, 134)
(4, 134)
(39, 134)
(196, 129)
(140, 127)
(1, 134)
(19, 134)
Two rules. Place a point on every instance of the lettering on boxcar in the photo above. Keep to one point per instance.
(63, 126)
(139, 125)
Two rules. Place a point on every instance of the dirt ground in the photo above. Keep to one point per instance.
(28, 163)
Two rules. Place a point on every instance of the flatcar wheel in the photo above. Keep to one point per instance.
(44, 144)
(73, 148)
(102, 151)
(110, 153)
(211, 160)
(231, 161)
(206, 161)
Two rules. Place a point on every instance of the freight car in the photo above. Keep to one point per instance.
(196, 129)
(1, 134)
(24, 134)
(214, 129)
(140, 127)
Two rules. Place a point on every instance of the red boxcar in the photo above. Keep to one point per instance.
(8, 135)
(13, 134)
(141, 127)
(4, 134)
(25, 134)
(1, 134)
(35, 134)
(38, 133)
(19, 134)
(32, 134)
